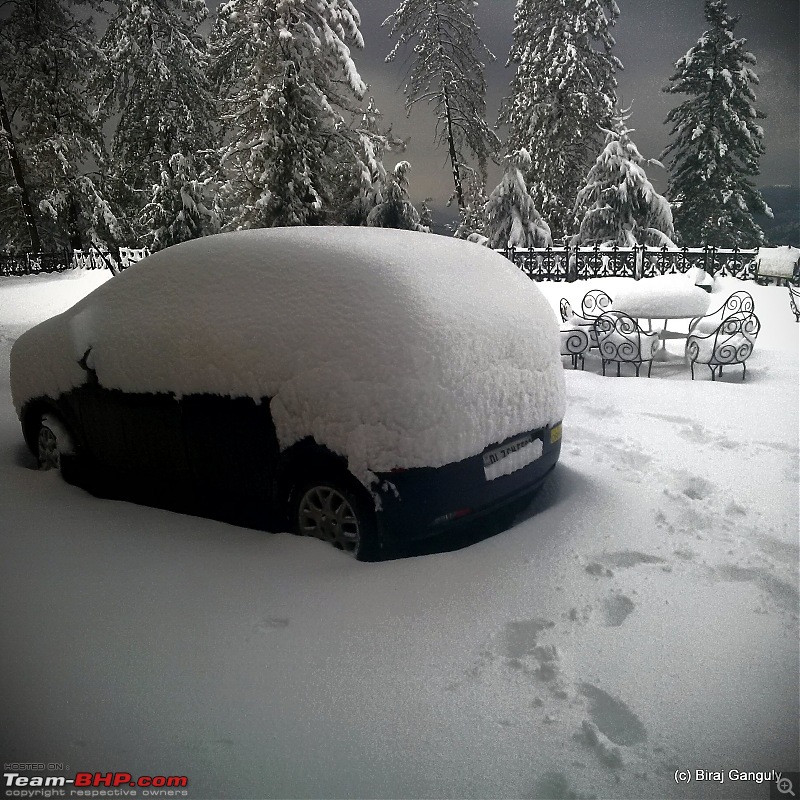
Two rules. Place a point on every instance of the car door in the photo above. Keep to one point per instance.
(232, 450)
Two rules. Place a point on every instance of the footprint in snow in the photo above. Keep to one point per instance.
(782, 593)
(271, 623)
(624, 559)
(616, 609)
(612, 727)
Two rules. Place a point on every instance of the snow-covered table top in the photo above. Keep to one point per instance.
(662, 297)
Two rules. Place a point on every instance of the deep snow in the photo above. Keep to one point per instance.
(640, 618)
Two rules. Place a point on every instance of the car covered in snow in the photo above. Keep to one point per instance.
(364, 386)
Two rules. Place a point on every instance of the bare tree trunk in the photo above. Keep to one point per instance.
(19, 177)
(453, 153)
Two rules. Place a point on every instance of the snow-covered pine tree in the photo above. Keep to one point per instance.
(717, 142)
(48, 49)
(472, 219)
(511, 216)
(18, 228)
(618, 204)
(362, 175)
(157, 82)
(446, 72)
(394, 209)
(287, 80)
(563, 88)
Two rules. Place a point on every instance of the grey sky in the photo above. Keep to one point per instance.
(651, 35)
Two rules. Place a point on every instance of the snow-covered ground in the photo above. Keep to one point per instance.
(640, 619)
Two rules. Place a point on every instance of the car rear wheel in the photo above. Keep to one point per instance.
(50, 440)
(339, 513)
(48, 454)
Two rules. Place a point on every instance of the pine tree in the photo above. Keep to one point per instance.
(618, 204)
(447, 73)
(157, 83)
(52, 133)
(472, 219)
(363, 176)
(717, 142)
(563, 89)
(394, 209)
(287, 81)
(511, 216)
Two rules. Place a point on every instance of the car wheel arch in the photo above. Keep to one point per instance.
(306, 462)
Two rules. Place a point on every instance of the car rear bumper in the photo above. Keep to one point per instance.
(423, 502)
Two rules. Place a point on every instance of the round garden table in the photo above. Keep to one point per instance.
(663, 297)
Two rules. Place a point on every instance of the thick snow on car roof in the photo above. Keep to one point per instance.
(393, 348)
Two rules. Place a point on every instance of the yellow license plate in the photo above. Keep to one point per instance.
(555, 433)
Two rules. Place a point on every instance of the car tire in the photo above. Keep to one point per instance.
(337, 510)
(53, 441)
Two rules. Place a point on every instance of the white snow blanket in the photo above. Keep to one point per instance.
(662, 297)
(393, 348)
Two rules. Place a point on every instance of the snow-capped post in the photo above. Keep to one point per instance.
(511, 217)
(563, 88)
(717, 139)
(446, 72)
(286, 78)
(618, 204)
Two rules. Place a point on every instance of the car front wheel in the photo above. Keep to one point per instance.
(337, 512)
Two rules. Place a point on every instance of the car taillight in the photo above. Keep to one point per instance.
(462, 512)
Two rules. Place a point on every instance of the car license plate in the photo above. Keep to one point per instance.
(511, 456)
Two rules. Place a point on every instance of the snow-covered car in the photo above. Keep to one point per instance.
(361, 385)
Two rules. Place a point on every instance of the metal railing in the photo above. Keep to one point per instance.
(62, 260)
(579, 263)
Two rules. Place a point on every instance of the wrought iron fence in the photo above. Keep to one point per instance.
(576, 263)
(541, 263)
(62, 260)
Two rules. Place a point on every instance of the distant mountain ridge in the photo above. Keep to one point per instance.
(784, 227)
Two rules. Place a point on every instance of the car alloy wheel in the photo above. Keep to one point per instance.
(326, 513)
(48, 452)
(336, 512)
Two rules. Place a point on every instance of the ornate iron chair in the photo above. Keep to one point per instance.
(574, 343)
(594, 303)
(731, 343)
(620, 339)
(738, 301)
(794, 301)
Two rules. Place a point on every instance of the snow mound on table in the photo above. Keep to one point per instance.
(662, 297)
(393, 348)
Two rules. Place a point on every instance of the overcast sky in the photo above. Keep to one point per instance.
(651, 35)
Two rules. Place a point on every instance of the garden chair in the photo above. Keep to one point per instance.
(594, 303)
(794, 301)
(620, 339)
(738, 301)
(571, 317)
(574, 343)
(731, 343)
